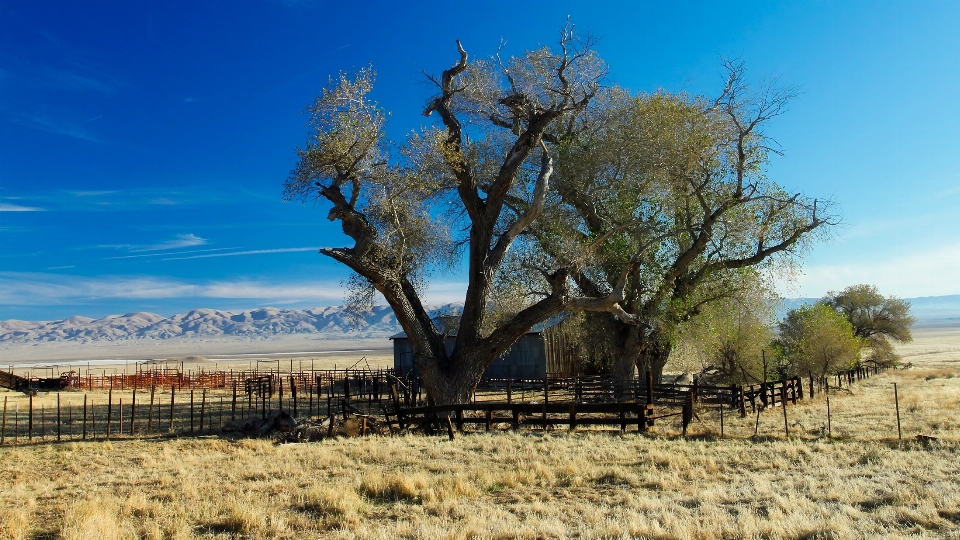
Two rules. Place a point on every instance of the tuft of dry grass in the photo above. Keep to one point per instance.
(14, 523)
(94, 518)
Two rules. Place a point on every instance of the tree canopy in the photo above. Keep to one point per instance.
(815, 339)
(485, 169)
(875, 318)
(561, 192)
(675, 187)
(730, 335)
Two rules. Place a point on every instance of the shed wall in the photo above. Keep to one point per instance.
(525, 360)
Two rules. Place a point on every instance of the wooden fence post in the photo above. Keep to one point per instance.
(153, 390)
(233, 404)
(3, 424)
(59, 424)
(173, 392)
(573, 417)
(110, 408)
(783, 404)
(30, 419)
(293, 394)
(687, 412)
(203, 407)
(896, 400)
(191, 411)
(133, 411)
(829, 426)
(85, 416)
(120, 416)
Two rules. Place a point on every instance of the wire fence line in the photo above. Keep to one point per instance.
(173, 402)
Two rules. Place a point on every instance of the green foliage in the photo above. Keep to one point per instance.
(815, 339)
(875, 318)
(729, 334)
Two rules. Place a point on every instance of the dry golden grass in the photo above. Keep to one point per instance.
(534, 484)
(861, 483)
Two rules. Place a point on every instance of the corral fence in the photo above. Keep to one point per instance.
(172, 402)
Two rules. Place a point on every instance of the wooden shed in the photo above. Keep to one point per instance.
(542, 352)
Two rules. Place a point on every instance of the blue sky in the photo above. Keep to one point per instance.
(143, 145)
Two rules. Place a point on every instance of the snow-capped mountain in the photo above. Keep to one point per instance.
(258, 323)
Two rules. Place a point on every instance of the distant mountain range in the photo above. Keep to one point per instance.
(332, 321)
(257, 323)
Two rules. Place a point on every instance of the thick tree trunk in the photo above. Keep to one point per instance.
(627, 351)
(452, 386)
(654, 353)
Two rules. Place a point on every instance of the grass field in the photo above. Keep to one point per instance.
(861, 483)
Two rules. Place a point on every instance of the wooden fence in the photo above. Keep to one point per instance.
(134, 407)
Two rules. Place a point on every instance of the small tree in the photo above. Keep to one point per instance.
(816, 340)
(875, 318)
(729, 334)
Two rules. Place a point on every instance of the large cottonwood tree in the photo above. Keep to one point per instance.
(485, 169)
(676, 186)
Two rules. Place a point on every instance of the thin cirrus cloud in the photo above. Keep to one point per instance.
(249, 252)
(180, 241)
(166, 253)
(59, 126)
(39, 289)
(7, 207)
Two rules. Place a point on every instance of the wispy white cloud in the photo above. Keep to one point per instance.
(7, 207)
(249, 252)
(180, 241)
(59, 126)
(927, 273)
(40, 289)
(166, 253)
(91, 193)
